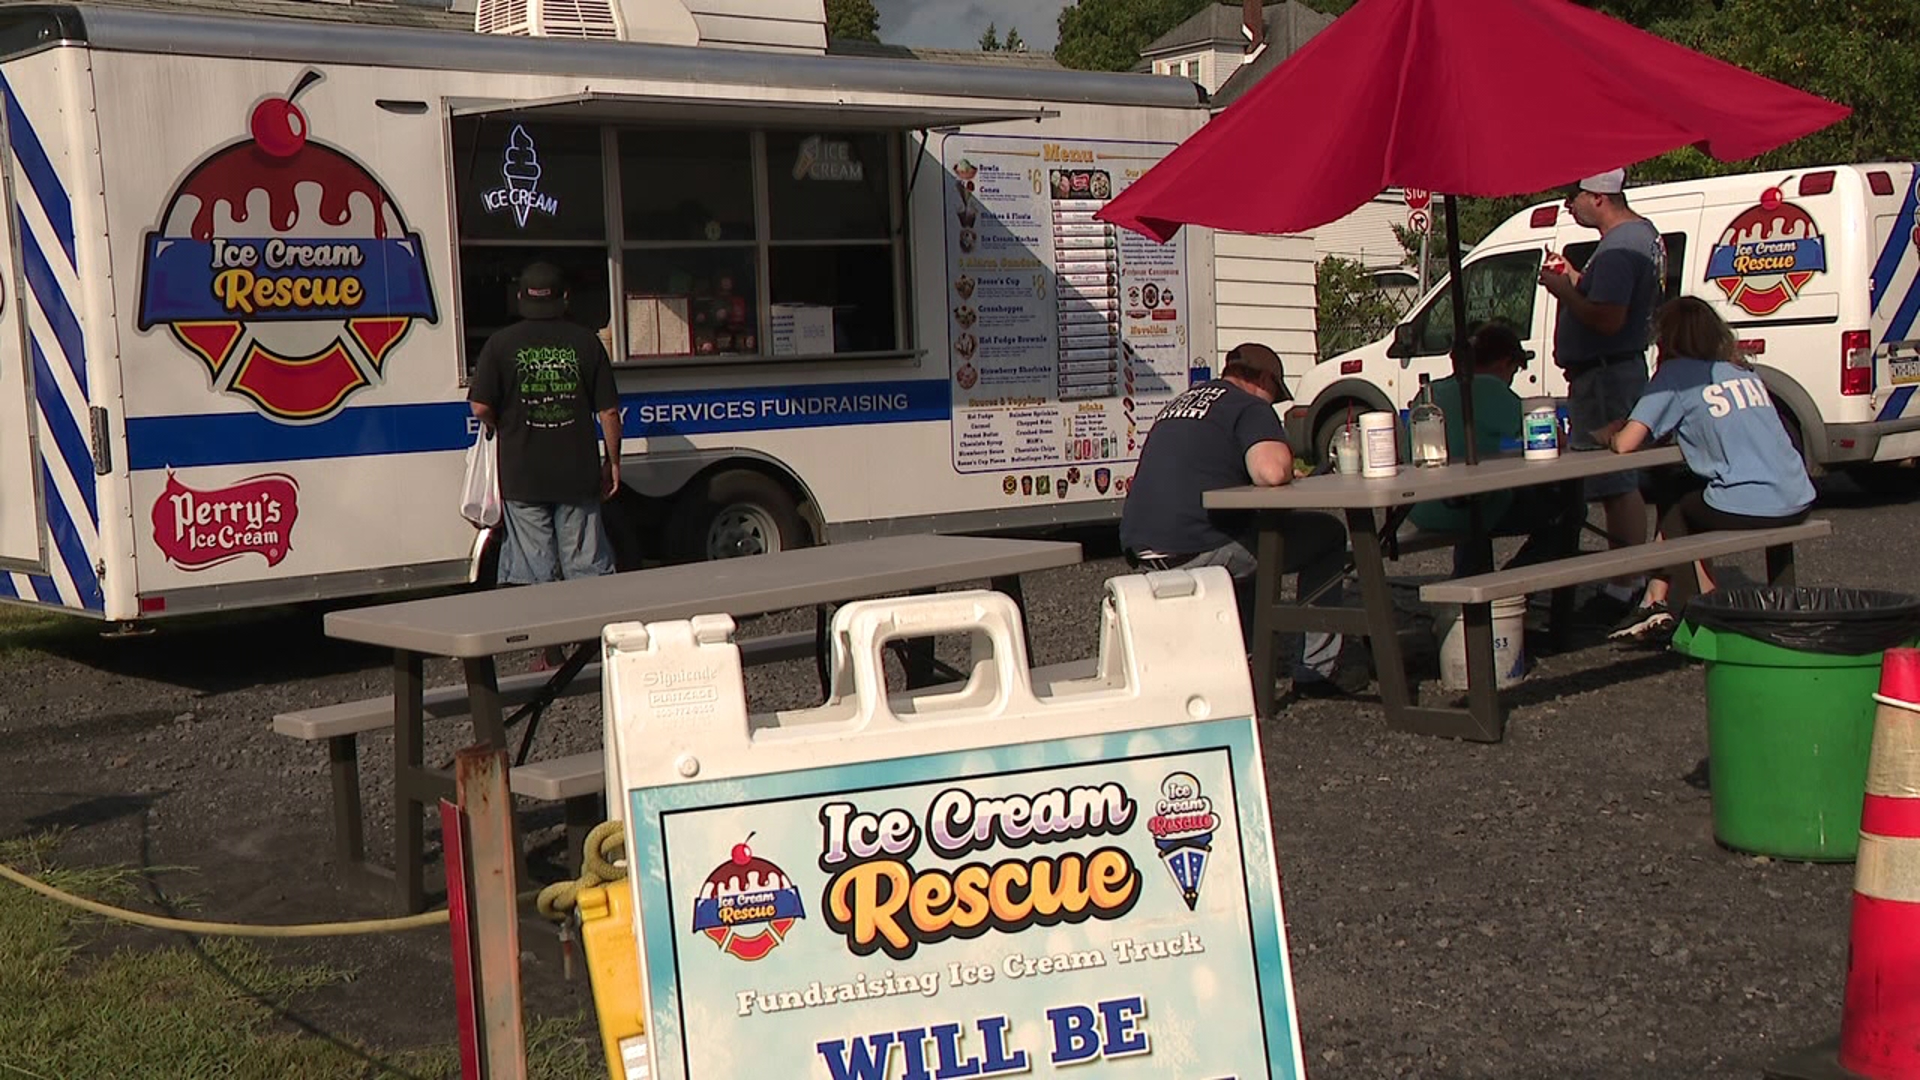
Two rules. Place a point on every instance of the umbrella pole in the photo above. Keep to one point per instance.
(1462, 353)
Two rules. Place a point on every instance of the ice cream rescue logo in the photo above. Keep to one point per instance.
(747, 905)
(286, 268)
(1767, 255)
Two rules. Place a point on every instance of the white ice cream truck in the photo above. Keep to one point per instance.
(1817, 270)
(249, 262)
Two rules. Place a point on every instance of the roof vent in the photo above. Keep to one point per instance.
(664, 22)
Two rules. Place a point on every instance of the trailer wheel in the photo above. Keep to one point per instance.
(734, 513)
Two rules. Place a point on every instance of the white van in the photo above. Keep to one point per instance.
(1817, 270)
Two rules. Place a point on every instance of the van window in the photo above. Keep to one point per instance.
(1498, 287)
(1676, 242)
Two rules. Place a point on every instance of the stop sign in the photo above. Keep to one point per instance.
(1417, 198)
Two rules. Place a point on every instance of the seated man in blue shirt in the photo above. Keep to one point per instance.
(1546, 516)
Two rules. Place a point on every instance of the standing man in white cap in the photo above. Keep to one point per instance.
(1600, 340)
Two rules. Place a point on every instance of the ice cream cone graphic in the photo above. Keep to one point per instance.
(1183, 826)
(521, 171)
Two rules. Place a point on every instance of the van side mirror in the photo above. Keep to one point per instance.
(1403, 340)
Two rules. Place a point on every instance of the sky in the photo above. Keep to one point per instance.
(958, 24)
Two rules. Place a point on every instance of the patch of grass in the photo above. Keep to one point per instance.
(25, 628)
(174, 1012)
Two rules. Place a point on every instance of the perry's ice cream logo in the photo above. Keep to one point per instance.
(520, 173)
(286, 268)
(747, 905)
(1183, 825)
(1767, 255)
(197, 530)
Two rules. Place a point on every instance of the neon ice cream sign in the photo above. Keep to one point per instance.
(520, 173)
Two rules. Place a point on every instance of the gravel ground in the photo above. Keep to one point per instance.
(1552, 905)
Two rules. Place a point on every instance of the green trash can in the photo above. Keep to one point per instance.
(1791, 674)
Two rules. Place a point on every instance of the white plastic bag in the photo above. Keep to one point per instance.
(480, 499)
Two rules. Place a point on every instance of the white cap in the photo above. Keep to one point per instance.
(1611, 182)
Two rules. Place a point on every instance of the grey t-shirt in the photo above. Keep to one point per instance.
(1627, 268)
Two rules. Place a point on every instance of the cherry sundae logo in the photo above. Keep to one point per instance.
(1767, 255)
(747, 905)
(285, 268)
(197, 530)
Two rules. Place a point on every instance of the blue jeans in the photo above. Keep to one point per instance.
(553, 541)
(1315, 547)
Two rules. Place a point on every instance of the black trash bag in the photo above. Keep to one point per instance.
(1831, 621)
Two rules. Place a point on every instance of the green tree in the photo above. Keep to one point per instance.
(1351, 309)
(1013, 41)
(990, 41)
(1859, 53)
(1107, 35)
(853, 20)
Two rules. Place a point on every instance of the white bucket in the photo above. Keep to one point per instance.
(1509, 643)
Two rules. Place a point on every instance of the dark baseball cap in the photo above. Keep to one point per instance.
(542, 290)
(1254, 355)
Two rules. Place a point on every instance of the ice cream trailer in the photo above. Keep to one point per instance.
(249, 262)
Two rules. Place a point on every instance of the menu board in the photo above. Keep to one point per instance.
(1066, 331)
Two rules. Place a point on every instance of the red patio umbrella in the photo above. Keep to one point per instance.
(1466, 97)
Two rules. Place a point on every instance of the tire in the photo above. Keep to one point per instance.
(1891, 479)
(733, 513)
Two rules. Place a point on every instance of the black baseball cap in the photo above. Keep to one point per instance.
(1254, 355)
(542, 290)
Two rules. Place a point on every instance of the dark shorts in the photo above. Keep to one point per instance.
(1597, 397)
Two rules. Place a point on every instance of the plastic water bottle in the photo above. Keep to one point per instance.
(1346, 450)
(1427, 428)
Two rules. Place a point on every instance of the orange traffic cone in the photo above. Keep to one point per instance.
(1880, 1020)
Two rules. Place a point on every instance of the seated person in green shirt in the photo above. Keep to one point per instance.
(1544, 515)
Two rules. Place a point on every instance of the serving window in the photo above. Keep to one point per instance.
(682, 243)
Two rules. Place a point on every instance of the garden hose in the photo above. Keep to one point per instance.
(599, 865)
(215, 929)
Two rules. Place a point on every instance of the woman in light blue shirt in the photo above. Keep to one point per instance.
(1746, 473)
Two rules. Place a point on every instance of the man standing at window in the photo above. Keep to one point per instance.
(538, 385)
(1222, 434)
(1600, 341)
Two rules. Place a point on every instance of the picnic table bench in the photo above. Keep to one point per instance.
(1363, 501)
(474, 627)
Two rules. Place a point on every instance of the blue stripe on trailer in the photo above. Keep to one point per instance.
(46, 591)
(1896, 404)
(41, 177)
(1899, 243)
(71, 546)
(75, 455)
(7, 591)
(177, 442)
(60, 316)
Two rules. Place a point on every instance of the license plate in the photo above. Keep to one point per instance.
(1904, 372)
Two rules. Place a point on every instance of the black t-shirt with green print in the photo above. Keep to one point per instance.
(545, 379)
